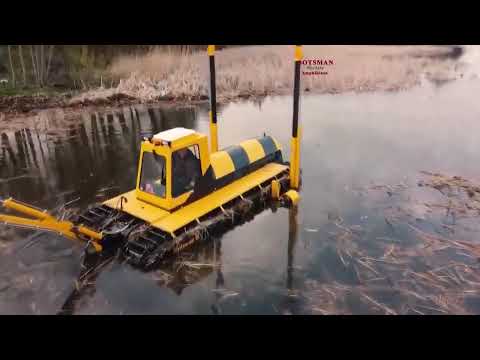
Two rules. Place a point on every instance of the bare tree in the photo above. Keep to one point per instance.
(50, 54)
(34, 66)
(84, 56)
(38, 64)
(12, 70)
(22, 63)
(42, 64)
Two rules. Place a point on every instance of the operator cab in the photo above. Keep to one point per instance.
(170, 166)
(176, 167)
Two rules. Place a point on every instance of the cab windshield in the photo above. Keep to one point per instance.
(153, 175)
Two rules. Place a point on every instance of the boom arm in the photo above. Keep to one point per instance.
(46, 222)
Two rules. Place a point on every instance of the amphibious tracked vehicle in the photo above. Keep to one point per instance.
(185, 190)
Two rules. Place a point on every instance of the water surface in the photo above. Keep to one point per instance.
(269, 265)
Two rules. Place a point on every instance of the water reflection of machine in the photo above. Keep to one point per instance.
(193, 266)
(177, 274)
(292, 241)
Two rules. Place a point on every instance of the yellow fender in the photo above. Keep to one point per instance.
(292, 197)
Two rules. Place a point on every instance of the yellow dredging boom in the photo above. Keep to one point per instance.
(46, 222)
(185, 190)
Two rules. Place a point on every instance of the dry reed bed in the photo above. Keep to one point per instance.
(268, 70)
(435, 274)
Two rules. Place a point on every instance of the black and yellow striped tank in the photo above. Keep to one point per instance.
(234, 162)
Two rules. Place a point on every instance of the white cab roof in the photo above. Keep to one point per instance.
(173, 134)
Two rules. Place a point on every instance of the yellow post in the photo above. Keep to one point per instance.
(275, 189)
(213, 101)
(296, 131)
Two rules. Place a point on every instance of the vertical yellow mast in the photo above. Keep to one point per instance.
(296, 130)
(213, 100)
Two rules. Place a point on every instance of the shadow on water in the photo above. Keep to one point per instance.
(190, 268)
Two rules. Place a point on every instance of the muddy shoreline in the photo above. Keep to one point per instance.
(30, 105)
(264, 72)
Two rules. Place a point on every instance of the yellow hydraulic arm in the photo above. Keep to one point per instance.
(44, 221)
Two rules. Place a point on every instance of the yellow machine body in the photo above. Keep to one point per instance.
(224, 171)
(226, 175)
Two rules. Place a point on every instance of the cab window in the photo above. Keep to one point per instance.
(186, 170)
(153, 175)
